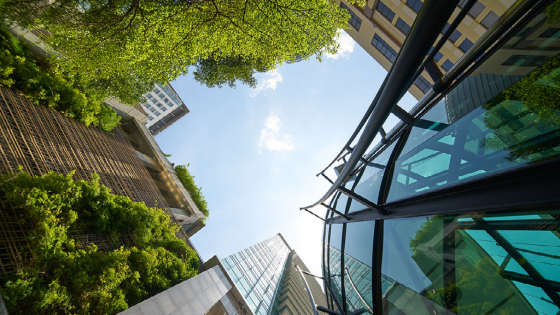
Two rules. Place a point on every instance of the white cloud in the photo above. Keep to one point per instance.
(267, 81)
(272, 139)
(346, 46)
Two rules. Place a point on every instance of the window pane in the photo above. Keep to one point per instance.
(370, 182)
(447, 65)
(354, 20)
(490, 19)
(464, 264)
(466, 45)
(385, 11)
(477, 9)
(416, 5)
(401, 25)
(358, 254)
(454, 36)
(384, 48)
(334, 254)
(498, 122)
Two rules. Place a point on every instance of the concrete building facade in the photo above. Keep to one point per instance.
(381, 26)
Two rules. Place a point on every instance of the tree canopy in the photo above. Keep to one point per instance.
(124, 47)
(46, 86)
(63, 275)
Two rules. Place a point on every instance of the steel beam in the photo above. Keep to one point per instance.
(425, 31)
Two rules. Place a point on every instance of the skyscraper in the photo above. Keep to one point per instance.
(262, 279)
(267, 277)
(381, 26)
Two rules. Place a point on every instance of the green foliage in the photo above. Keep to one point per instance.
(538, 94)
(124, 47)
(216, 72)
(196, 192)
(67, 278)
(553, 13)
(48, 86)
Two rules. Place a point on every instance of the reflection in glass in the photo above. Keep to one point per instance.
(478, 266)
(256, 268)
(517, 126)
(370, 181)
(358, 254)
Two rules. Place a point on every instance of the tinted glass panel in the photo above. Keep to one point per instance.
(498, 122)
(334, 256)
(401, 25)
(354, 20)
(388, 13)
(447, 65)
(384, 48)
(416, 5)
(370, 182)
(477, 9)
(490, 19)
(464, 264)
(358, 253)
(466, 45)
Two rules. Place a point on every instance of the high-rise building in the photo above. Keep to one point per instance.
(456, 210)
(381, 26)
(267, 277)
(163, 107)
(262, 279)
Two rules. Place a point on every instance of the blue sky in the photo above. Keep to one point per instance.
(255, 152)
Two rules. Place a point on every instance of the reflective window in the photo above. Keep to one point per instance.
(497, 122)
(384, 48)
(437, 56)
(454, 36)
(466, 45)
(470, 264)
(416, 5)
(335, 259)
(447, 65)
(354, 20)
(423, 84)
(490, 19)
(370, 182)
(358, 252)
(477, 9)
(401, 25)
(257, 267)
(385, 11)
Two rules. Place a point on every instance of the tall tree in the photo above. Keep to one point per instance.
(123, 47)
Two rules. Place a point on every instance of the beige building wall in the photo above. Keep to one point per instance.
(374, 22)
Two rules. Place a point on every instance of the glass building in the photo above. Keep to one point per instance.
(456, 210)
(266, 276)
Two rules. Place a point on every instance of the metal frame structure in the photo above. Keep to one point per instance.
(525, 187)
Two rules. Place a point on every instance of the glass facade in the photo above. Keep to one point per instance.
(256, 272)
(500, 120)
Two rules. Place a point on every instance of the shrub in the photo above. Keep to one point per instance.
(196, 192)
(64, 277)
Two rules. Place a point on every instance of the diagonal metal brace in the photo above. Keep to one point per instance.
(335, 211)
(312, 213)
(363, 200)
